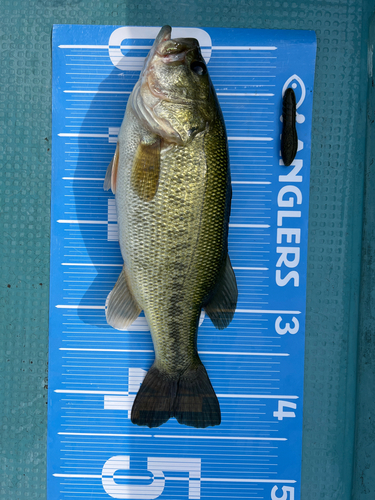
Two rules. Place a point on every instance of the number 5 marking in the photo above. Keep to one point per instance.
(286, 490)
(157, 466)
(287, 329)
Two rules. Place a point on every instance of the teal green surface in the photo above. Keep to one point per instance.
(364, 471)
(338, 441)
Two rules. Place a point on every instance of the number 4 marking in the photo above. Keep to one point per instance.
(280, 413)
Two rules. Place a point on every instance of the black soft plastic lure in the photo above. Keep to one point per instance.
(289, 139)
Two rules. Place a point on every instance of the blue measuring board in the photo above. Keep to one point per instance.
(256, 365)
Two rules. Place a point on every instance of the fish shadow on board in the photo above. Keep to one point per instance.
(101, 249)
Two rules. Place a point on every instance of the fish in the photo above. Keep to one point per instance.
(171, 177)
(289, 138)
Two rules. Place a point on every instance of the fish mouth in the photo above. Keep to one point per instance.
(154, 95)
(165, 46)
(163, 35)
(168, 51)
(172, 50)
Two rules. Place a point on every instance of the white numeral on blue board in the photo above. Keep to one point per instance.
(280, 413)
(156, 466)
(286, 490)
(286, 329)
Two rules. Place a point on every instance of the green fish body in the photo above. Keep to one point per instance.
(171, 177)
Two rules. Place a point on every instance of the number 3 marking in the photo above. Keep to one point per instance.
(287, 329)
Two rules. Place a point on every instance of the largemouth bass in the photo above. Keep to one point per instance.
(170, 174)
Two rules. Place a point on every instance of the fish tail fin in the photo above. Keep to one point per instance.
(196, 403)
(153, 405)
(190, 398)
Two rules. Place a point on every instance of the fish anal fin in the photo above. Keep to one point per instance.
(222, 303)
(111, 174)
(146, 169)
(121, 309)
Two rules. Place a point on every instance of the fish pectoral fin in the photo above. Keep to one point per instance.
(222, 304)
(111, 174)
(146, 169)
(121, 309)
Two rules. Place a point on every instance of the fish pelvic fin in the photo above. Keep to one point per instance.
(121, 309)
(111, 174)
(189, 398)
(222, 303)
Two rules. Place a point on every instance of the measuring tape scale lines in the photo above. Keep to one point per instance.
(254, 363)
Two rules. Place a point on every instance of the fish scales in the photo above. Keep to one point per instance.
(173, 203)
(176, 240)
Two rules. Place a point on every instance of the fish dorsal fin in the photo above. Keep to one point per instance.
(121, 309)
(222, 304)
(146, 169)
(111, 174)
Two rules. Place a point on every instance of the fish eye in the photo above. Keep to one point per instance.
(198, 67)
